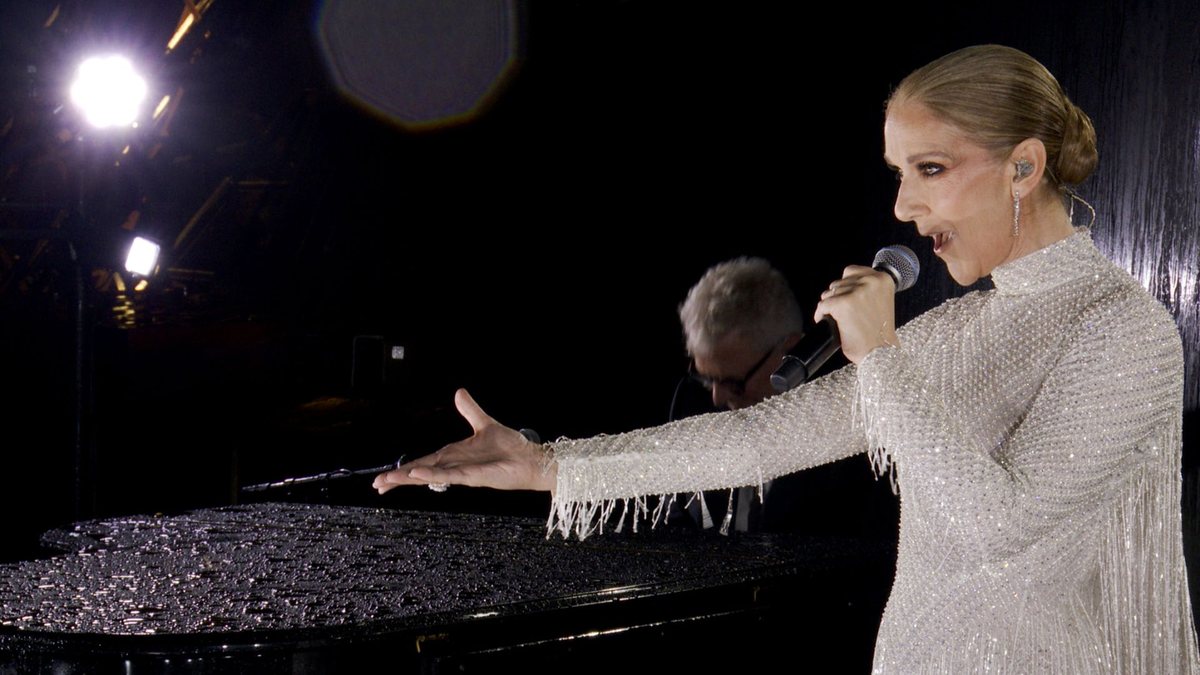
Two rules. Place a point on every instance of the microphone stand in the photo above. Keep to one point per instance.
(336, 474)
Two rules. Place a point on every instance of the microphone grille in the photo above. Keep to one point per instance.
(901, 263)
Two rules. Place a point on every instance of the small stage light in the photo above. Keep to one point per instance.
(143, 257)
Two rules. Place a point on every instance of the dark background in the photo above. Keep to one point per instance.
(535, 253)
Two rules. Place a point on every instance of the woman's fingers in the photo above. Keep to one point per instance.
(862, 303)
(402, 475)
(464, 462)
(395, 478)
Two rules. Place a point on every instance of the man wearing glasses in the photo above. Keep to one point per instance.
(739, 321)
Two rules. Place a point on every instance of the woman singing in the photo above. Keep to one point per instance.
(1033, 430)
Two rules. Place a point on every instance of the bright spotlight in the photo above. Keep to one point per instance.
(109, 91)
(143, 257)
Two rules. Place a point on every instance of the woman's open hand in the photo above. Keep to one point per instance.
(494, 456)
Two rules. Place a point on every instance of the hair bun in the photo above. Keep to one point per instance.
(1077, 158)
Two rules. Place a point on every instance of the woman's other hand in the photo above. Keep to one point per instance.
(493, 456)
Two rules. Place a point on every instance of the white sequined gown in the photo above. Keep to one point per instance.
(1034, 432)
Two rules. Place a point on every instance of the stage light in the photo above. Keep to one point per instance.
(108, 91)
(143, 257)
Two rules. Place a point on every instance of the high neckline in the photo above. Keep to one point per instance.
(1046, 267)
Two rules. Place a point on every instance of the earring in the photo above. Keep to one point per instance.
(1024, 169)
(1016, 232)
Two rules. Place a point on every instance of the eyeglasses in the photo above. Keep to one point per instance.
(736, 386)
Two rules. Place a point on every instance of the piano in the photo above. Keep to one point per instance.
(302, 588)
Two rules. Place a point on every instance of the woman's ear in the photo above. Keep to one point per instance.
(1027, 165)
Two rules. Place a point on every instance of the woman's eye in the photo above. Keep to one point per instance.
(930, 168)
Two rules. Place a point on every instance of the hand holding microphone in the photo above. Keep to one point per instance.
(856, 314)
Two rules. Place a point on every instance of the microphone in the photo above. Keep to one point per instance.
(823, 341)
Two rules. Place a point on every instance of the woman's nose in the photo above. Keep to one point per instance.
(908, 203)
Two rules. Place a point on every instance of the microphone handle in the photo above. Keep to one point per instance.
(820, 344)
(824, 340)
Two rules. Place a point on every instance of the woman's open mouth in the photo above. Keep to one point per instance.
(941, 240)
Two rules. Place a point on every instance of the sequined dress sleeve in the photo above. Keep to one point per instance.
(604, 481)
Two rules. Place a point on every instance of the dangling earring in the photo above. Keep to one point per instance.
(1024, 170)
(1016, 213)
